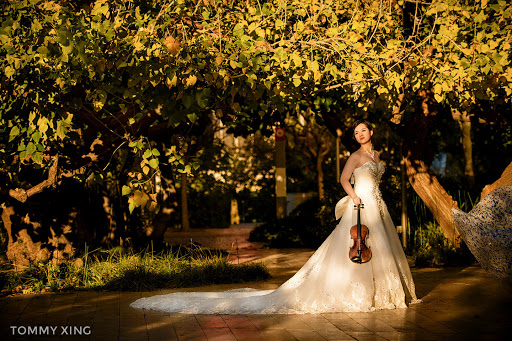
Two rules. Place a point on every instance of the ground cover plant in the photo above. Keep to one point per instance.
(124, 269)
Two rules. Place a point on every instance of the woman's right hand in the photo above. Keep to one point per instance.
(357, 201)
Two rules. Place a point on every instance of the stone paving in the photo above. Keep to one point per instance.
(458, 304)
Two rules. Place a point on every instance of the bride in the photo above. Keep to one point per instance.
(329, 281)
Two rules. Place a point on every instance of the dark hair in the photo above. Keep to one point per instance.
(358, 122)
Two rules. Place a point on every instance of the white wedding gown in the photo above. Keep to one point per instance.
(329, 281)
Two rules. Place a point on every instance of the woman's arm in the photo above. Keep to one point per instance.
(351, 164)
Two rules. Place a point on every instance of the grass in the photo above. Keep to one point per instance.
(121, 269)
(427, 246)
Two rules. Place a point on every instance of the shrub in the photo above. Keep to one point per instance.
(429, 248)
(308, 225)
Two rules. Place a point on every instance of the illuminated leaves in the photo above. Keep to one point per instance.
(129, 68)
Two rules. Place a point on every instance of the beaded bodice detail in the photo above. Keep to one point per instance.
(368, 175)
(367, 179)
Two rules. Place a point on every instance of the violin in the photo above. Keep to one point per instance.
(359, 252)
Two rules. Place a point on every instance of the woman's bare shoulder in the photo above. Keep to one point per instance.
(355, 157)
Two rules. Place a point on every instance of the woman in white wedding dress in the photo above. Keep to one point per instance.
(329, 281)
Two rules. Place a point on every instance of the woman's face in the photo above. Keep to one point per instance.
(362, 133)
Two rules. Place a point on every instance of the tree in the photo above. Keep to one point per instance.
(312, 140)
(90, 82)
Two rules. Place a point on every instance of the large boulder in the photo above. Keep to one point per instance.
(487, 231)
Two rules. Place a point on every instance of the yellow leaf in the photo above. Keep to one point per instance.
(191, 80)
(438, 89)
(171, 82)
(297, 60)
(152, 205)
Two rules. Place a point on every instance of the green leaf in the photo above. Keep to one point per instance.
(36, 26)
(9, 71)
(4, 38)
(238, 30)
(153, 163)
(61, 130)
(187, 101)
(140, 198)
(37, 157)
(281, 53)
(30, 148)
(147, 153)
(15, 131)
(155, 152)
(192, 117)
(202, 98)
(36, 136)
(480, 17)
(126, 190)
(100, 7)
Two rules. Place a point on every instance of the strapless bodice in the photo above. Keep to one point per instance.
(367, 177)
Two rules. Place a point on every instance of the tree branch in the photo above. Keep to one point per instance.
(21, 195)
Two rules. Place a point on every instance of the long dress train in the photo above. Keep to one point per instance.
(329, 281)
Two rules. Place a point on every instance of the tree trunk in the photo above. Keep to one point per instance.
(404, 219)
(424, 183)
(22, 249)
(504, 180)
(185, 223)
(320, 177)
(163, 218)
(438, 201)
(50, 225)
(467, 145)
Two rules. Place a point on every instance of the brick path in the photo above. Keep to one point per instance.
(458, 304)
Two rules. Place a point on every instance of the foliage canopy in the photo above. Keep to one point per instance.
(90, 79)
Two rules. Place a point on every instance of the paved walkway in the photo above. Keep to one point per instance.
(458, 304)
